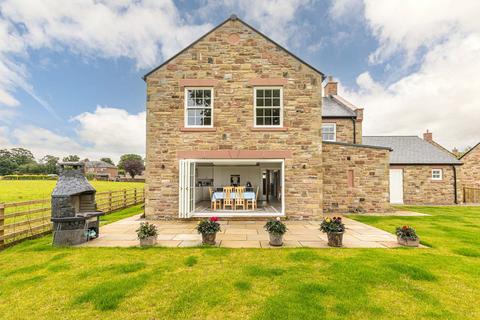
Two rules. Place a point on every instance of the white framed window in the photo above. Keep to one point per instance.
(329, 132)
(268, 107)
(199, 107)
(437, 174)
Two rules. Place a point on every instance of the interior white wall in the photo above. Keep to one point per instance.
(221, 175)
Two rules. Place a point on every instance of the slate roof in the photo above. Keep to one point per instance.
(333, 106)
(71, 182)
(411, 150)
(98, 164)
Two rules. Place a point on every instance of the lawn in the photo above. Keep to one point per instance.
(23, 190)
(440, 282)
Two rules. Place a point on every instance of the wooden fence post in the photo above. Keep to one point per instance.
(124, 198)
(110, 201)
(2, 224)
(135, 196)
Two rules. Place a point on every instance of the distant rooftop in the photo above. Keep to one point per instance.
(334, 106)
(98, 164)
(411, 150)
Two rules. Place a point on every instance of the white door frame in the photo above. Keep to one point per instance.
(186, 188)
(219, 213)
(395, 191)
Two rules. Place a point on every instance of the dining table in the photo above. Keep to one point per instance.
(220, 195)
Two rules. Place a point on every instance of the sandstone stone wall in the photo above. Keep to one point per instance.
(470, 171)
(345, 129)
(419, 188)
(369, 168)
(233, 55)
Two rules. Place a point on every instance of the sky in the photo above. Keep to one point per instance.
(70, 71)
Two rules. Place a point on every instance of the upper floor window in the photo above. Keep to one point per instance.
(437, 174)
(329, 132)
(198, 107)
(268, 107)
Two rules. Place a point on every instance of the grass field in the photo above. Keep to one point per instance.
(23, 190)
(440, 282)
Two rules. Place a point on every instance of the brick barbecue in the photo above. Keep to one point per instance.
(74, 211)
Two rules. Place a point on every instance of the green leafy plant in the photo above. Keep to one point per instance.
(334, 224)
(208, 226)
(276, 226)
(146, 230)
(406, 233)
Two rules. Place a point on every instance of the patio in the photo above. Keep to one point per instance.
(242, 234)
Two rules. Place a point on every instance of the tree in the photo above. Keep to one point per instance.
(133, 167)
(50, 163)
(127, 157)
(71, 158)
(22, 156)
(107, 160)
(7, 164)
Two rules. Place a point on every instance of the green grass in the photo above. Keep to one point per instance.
(440, 282)
(23, 190)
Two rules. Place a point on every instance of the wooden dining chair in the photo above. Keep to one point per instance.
(239, 197)
(227, 198)
(253, 202)
(214, 202)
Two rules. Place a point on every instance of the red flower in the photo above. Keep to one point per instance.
(405, 227)
(214, 219)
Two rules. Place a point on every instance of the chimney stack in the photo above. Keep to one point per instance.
(330, 87)
(427, 136)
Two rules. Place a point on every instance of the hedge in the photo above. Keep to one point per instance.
(29, 177)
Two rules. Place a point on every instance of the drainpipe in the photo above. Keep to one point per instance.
(354, 120)
(455, 183)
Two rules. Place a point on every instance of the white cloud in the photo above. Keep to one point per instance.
(112, 130)
(442, 94)
(145, 31)
(107, 132)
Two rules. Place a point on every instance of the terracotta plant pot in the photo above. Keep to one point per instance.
(408, 242)
(335, 239)
(276, 240)
(150, 241)
(208, 238)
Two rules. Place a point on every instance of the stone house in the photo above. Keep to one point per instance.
(421, 170)
(101, 169)
(470, 173)
(236, 108)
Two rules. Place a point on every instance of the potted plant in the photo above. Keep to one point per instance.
(147, 233)
(276, 229)
(407, 236)
(208, 228)
(334, 228)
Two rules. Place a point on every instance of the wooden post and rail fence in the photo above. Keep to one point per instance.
(27, 219)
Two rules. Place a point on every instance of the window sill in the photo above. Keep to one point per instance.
(183, 129)
(271, 129)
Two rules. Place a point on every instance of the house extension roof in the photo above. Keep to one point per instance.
(336, 107)
(233, 17)
(98, 164)
(474, 147)
(411, 150)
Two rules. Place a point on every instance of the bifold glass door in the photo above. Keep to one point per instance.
(186, 183)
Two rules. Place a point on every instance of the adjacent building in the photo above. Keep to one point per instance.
(101, 170)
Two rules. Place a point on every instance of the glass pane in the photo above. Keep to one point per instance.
(276, 93)
(268, 121)
(191, 121)
(207, 103)
(276, 112)
(190, 98)
(207, 93)
(199, 102)
(207, 121)
(260, 112)
(276, 102)
(276, 121)
(207, 112)
(259, 121)
(268, 102)
(259, 93)
(268, 93)
(198, 93)
(260, 102)
(268, 112)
